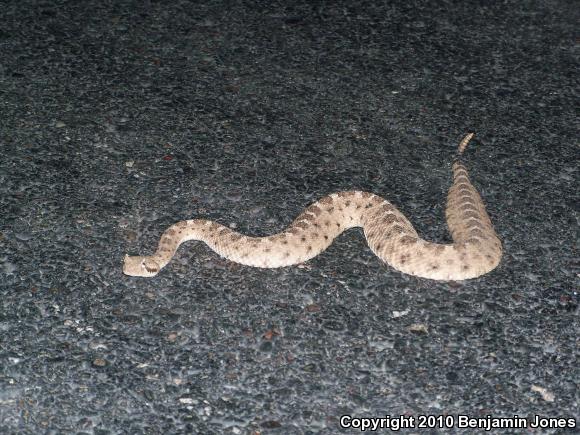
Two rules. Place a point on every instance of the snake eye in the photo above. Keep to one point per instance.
(151, 268)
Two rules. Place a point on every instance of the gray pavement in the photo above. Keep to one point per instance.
(119, 118)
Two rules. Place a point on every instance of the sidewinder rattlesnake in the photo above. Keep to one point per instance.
(476, 248)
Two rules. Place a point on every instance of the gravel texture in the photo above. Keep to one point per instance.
(119, 118)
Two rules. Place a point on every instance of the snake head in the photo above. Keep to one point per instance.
(140, 266)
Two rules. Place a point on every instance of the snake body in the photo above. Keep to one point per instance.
(476, 248)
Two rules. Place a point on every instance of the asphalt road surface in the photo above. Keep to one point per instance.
(120, 118)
